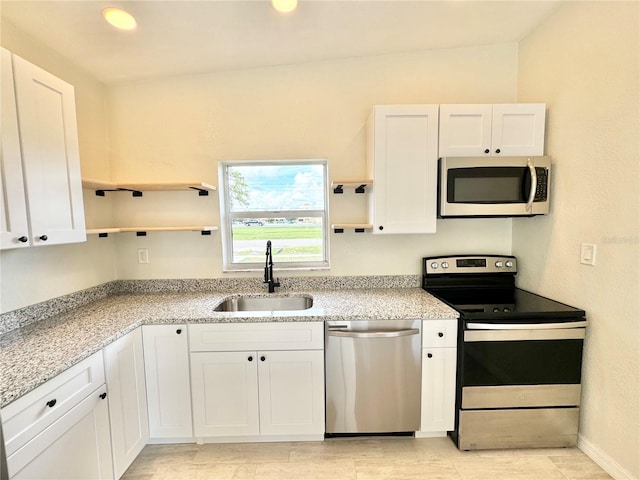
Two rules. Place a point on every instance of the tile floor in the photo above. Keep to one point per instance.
(379, 458)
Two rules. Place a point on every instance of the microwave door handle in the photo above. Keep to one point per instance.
(534, 185)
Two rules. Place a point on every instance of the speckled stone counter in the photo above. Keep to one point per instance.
(36, 352)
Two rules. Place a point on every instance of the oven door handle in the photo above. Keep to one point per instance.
(374, 333)
(524, 335)
(525, 326)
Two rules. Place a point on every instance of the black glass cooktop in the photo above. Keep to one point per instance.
(500, 305)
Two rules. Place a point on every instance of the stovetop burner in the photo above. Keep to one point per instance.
(483, 287)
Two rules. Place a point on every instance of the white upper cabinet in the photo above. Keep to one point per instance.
(501, 129)
(48, 137)
(402, 156)
(14, 227)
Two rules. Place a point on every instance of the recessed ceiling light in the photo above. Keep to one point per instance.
(119, 18)
(284, 6)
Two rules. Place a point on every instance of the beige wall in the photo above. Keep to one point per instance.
(583, 62)
(36, 274)
(179, 128)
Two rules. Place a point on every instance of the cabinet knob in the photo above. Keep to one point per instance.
(23, 239)
(262, 359)
(44, 238)
(250, 358)
(380, 227)
(497, 150)
(430, 355)
(486, 150)
(103, 395)
(179, 331)
(51, 403)
(440, 334)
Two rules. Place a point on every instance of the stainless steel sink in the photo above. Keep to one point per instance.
(264, 304)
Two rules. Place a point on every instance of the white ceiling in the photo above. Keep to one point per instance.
(185, 36)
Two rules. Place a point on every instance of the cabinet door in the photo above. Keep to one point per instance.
(518, 129)
(465, 130)
(402, 158)
(50, 155)
(76, 447)
(438, 389)
(225, 393)
(291, 385)
(124, 365)
(14, 229)
(166, 360)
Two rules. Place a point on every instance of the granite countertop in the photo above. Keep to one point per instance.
(33, 354)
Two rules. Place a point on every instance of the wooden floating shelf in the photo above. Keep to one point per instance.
(136, 189)
(142, 231)
(358, 227)
(338, 186)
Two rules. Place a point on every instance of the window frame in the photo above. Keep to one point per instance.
(227, 217)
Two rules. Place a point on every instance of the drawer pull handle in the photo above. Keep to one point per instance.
(103, 395)
(430, 355)
(262, 359)
(44, 238)
(250, 359)
(23, 239)
(51, 403)
(440, 334)
(179, 331)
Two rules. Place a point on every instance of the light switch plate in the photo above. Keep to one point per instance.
(588, 254)
(143, 255)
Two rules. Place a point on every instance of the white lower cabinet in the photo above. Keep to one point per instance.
(258, 393)
(124, 367)
(438, 376)
(61, 429)
(166, 359)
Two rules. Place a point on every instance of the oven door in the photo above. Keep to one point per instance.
(523, 365)
(505, 186)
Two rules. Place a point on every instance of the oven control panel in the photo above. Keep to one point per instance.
(469, 264)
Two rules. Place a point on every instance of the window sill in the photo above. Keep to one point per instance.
(277, 269)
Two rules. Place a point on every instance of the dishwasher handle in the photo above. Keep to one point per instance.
(373, 333)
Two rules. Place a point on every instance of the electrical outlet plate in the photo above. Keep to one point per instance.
(588, 254)
(143, 255)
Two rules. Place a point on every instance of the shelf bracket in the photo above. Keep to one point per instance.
(103, 235)
(201, 191)
(141, 234)
(361, 188)
(338, 189)
(359, 230)
(101, 192)
(205, 232)
(338, 230)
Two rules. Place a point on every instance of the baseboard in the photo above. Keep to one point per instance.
(605, 462)
(430, 434)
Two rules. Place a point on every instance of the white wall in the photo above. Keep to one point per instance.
(36, 274)
(583, 62)
(179, 128)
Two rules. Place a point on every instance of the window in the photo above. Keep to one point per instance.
(281, 201)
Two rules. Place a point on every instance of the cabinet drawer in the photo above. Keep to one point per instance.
(30, 414)
(439, 333)
(228, 337)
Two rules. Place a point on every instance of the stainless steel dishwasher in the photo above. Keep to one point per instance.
(372, 376)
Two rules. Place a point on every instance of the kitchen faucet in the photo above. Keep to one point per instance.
(268, 270)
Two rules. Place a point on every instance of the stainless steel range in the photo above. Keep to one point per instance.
(519, 355)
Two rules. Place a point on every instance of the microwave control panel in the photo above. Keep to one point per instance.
(541, 187)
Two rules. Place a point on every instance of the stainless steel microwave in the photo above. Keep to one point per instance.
(493, 186)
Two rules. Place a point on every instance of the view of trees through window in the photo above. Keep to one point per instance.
(281, 202)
